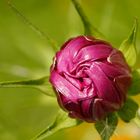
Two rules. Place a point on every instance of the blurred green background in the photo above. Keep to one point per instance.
(24, 55)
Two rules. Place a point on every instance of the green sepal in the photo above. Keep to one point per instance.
(62, 121)
(107, 126)
(41, 84)
(135, 86)
(128, 46)
(128, 111)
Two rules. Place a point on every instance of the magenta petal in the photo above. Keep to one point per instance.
(71, 106)
(98, 111)
(123, 82)
(65, 57)
(102, 107)
(63, 62)
(65, 87)
(104, 86)
(111, 70)
(93, 52)
(116, 57)
(86, 108)
(78, 43)
(74, 114)
(73, 81)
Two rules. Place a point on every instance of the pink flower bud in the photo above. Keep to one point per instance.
(91, 78)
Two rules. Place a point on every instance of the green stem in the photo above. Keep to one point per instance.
(89, 29)
(41, 84)
(24, 83)
(33, 27)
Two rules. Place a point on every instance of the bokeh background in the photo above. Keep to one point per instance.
(24, 55)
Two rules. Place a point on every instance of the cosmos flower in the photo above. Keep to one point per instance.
(91, 78)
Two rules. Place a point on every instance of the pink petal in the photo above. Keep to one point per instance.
(110, 70)
(65, 87)
(102, 107)
(117, 58)
(104, 86)
(93, 52)
(65, 57)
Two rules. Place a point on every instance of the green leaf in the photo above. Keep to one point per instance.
(128, 111)
(128, 46)
(61, 122)
(41, 84)
(89, 29)
(107, 126)
(135, 86)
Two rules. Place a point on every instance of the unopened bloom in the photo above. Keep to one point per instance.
(91, 78)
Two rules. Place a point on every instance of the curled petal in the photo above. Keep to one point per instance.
(86, 109)
(92, 52)
(123, 82)
(104, 86)
(70, 51)
(116, 57)
(64, 87)
(111, 71)
(102, 107)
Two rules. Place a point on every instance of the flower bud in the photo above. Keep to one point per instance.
(91, 78)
